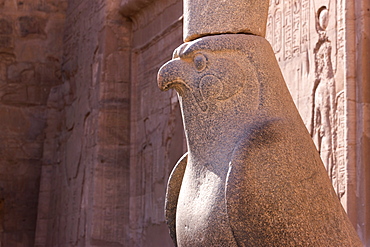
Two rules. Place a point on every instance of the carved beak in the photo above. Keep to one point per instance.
(171, 75)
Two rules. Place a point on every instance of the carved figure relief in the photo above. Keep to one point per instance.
(323, 94)
(310, 47)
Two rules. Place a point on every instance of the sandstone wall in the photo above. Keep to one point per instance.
(359, 101)
(322, 47)
(157, 139)
(112, 137)
(308, 38)
(30, 57)
(84, 192)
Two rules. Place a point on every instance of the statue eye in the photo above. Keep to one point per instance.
(200, 62)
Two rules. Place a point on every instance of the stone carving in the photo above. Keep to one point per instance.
(310, 48)
(288, 30)
(305, 29)
(277, 30)
(269, 29)
(295, 21)
(252, 175)
(296, 27)
(323, 94)
(339, 164)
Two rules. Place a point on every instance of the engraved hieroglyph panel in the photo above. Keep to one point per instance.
(307, 37)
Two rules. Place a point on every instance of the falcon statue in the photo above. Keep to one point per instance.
(252, 175)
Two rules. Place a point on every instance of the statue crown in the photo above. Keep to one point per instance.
(203, 18)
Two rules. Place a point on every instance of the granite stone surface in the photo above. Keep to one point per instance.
(202, 18)
(253, 176)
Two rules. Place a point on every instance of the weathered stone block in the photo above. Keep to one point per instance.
(48, 73)
(27, 50)
(20, 72)
(115, 92)
(7, 58)
(114, 155)
(5, 27)
(113, 125)
(116, 61)
(31, 25)
(5, 42)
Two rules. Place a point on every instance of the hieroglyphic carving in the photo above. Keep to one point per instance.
(288, 29)
(305, 27)
(278, 28)
(269, 29)
(340, 28)
(289, 26)
(339, 175)
(306, 32)
(296, 27)
(339, 182)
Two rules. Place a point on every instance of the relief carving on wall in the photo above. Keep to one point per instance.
(323, 94)
(308, 41)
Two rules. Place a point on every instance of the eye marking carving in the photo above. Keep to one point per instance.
(200, 62)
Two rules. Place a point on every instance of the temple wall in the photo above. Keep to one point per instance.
(84, 191)
(112, 137)
(310, 51)
(360, 66)
(157, 139)
(321, 47)
(30, 56)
